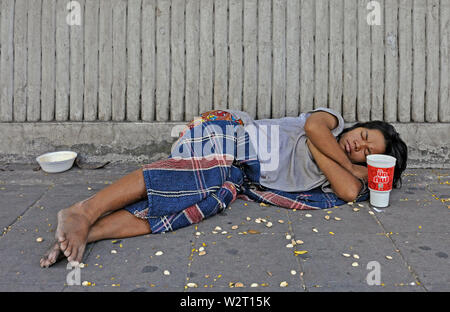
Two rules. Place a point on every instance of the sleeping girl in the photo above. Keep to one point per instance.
(304, 162)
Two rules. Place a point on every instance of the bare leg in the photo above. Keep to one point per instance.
(119, 224)
(75, 222)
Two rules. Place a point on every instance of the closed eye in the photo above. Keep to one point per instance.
(367, 138)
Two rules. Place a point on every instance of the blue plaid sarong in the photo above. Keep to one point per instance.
(208, 168)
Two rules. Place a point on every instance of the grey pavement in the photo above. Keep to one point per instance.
(409, 242)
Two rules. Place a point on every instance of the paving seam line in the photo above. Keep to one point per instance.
(8, 227)
(302, 279)
(408, 266)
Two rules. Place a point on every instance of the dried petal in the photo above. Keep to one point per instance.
(284, 284)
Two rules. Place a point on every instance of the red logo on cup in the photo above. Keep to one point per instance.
(380, 179)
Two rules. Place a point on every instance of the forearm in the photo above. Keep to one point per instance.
(326, 143)
(342, 181)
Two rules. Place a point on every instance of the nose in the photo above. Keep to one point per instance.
(359, 145)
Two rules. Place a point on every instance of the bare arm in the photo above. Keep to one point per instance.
(343, 182)
(318, 130)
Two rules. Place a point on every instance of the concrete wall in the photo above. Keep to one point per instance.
(152, 64)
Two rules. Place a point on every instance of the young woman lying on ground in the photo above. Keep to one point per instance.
(317, 164)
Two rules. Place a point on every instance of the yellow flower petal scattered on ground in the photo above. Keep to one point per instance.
(284, 284)
(389, 257)
(239, 284)
(332, 233)
(337, 219)
(355, 264)
(253, 232)
(39, 239)
(300, 252)
(263, 204)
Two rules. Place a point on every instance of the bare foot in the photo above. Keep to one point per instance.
(52, 256)
(72, 231)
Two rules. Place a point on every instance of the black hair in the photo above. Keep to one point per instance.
(395, 146)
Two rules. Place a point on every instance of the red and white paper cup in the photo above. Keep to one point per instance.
(380, 176)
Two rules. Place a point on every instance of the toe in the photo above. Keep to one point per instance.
(63, 245)
(60, 237)
(73, 254)
(68, 250)
(53, 255)
(80, 253)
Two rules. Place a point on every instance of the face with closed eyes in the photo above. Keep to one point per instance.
(360, 142)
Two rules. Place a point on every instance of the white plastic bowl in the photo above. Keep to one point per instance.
(57, 161)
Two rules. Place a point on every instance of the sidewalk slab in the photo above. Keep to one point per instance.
(413, 231)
